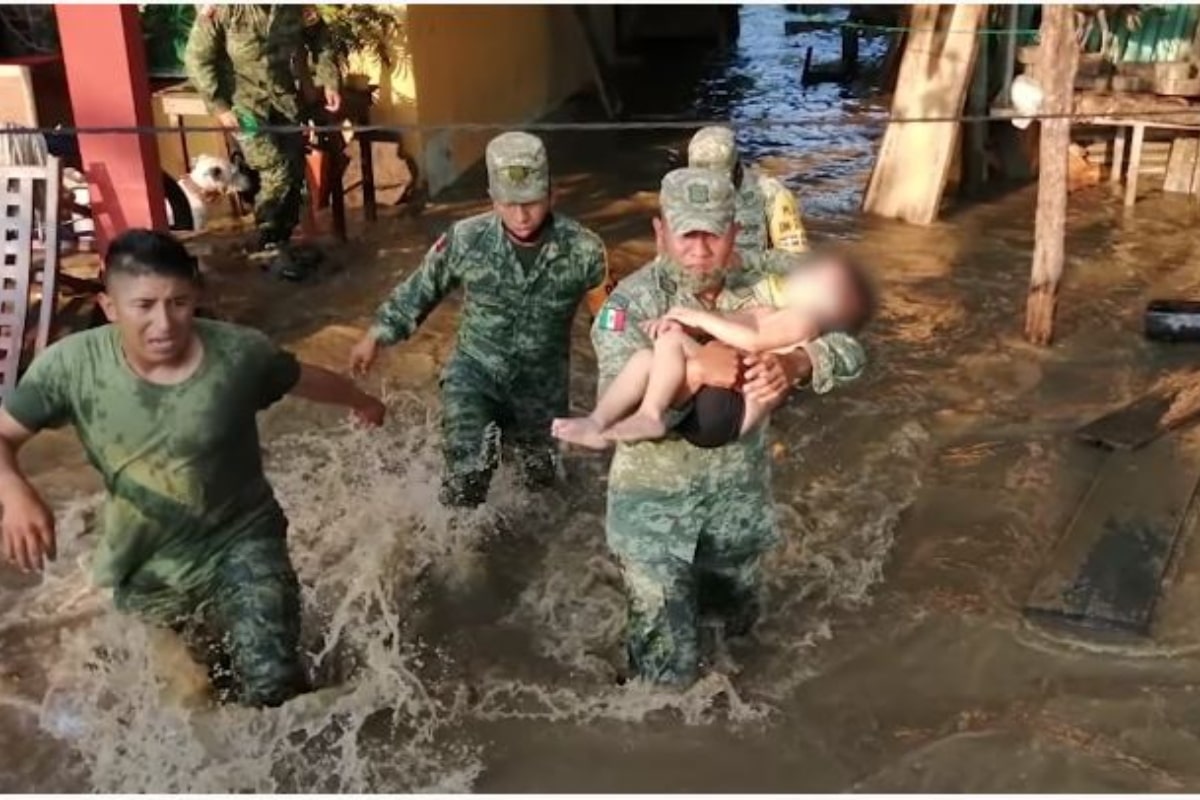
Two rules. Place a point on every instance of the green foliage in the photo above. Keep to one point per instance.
(372, 30)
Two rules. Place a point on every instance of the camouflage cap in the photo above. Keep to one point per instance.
(518, 171)
(697, 200)
(713, 148)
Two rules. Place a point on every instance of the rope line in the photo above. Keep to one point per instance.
(664, 123)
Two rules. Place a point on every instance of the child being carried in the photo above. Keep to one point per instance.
(821, 296)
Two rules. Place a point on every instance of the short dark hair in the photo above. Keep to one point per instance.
(863, 288)
(139, 252)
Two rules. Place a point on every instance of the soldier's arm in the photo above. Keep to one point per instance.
(40, 401)
(316, 38)
(201, 57)
(836, 359)
(617, 334)
(414, 299)
(599, 278)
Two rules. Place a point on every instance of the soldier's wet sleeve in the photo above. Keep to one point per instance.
(599, 278)
(617, 335)
(837, 358)
(412, 301)
(276, 371)
(42, 397)
(316, 38)
(201, 57)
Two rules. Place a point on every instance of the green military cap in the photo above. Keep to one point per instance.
(695, 199)
(713, 148)
(518, 171)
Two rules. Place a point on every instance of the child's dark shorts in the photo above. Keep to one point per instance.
(714, 418)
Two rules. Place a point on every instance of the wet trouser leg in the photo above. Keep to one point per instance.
(662, 637)
(279, 160)
(256, 606)
(729, 588)
(469, 410)
(527, 434)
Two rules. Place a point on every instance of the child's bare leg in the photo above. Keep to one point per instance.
(622, 396)
(667, 374)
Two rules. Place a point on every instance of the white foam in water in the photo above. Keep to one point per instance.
(366, 533)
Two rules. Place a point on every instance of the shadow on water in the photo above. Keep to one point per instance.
(478, 651)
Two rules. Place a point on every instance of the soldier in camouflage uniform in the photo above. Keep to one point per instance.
(524, 272)
(247, 62)
(768, 215)
(165, 407)
(689, 525)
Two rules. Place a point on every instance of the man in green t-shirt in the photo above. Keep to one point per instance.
(165, 407)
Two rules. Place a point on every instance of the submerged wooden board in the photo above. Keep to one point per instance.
(1107, 570)
(914, 158)
(1143, 420)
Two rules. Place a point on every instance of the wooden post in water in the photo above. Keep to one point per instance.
(1059, 56)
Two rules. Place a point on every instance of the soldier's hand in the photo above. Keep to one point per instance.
(715, 364)
(362, 357)
(28, 529)
(767, 378)
(229, 121)
(333, 101)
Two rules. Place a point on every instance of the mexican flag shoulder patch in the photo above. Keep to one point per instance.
(611, 319)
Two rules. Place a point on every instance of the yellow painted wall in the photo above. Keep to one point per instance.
(506, 64)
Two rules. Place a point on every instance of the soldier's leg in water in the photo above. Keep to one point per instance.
(468, 410)
(529, 436)
(662, 635)
(256, 607)
(729, 557)
(278, 191)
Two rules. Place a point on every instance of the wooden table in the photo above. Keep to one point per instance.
(1138, 126)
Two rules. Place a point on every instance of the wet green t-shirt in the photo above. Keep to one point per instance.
(181, 463)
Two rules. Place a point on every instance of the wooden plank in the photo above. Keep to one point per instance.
(1131, 426)
(1059, 60)
(1106, 572)
(49, 271)
(909, 177)
(1135, 164)
(1181, 165)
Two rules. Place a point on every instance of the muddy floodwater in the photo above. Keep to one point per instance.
(478, 651)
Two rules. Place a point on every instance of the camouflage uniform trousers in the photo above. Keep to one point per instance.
(247, 620)
(475, 407)
(279, 160)
(669, 595)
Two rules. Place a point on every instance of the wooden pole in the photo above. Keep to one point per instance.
(1059, 56)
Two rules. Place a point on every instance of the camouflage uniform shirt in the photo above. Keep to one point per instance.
(515, 323)
(648, 473)
(249, 57)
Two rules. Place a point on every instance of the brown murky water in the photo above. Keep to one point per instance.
(476, 651)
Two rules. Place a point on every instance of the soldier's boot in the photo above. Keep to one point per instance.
(538, 468)
(465, 490)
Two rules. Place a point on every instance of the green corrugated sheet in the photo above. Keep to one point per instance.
(1164, 33)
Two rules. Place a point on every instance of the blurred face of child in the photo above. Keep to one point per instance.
(825, 291)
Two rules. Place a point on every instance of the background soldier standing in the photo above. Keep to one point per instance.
(689, 525)
(768, 215)
(524, 271)
(246, 61)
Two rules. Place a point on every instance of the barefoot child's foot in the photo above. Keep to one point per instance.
(582, 431)
(636, 428)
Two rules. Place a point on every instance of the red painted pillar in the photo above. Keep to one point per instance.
(105, 61)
